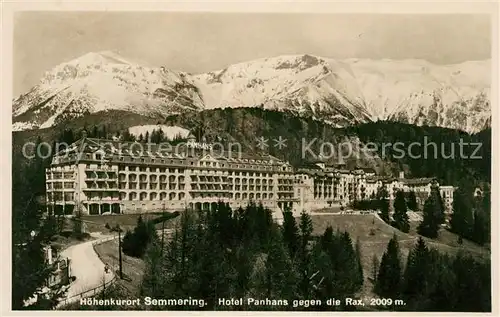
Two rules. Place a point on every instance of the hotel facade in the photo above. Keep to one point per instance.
(95, 177)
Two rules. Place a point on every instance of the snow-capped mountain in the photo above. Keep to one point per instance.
(103, 81)
(340, 92)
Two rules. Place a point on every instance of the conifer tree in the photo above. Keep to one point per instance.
(433, 214)
(290, 233)
(306, 229)
(416, 276)
(383, 200)
(276, 278)
(347, 266)
(412, 201)
(31, 235)
(462, 219)
(161, 135)
(78, 222)
(95, 132)
(479, 231)
(152, 280)
(389, 275)
(401, 220)
(486, 207)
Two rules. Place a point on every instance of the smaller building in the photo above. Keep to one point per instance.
(447, 196)
(62, 271)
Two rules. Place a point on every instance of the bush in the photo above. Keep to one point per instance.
(371, 204)
(166, 216)
(135, 243)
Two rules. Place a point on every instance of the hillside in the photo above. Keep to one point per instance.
(374, 234)
(338, 92)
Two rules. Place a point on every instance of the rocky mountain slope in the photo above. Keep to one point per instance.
(339, 92)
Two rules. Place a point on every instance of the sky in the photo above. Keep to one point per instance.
(201, 42)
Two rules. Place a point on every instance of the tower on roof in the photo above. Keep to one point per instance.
(191, 138)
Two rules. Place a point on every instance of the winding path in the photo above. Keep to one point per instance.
(86, 267)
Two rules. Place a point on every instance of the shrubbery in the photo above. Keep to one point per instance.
(135, 242)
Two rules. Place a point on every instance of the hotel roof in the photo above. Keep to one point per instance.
(112, 150)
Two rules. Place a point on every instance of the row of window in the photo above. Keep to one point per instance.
(60, 175)
(181, 171)
(60, 196)
(65, 185)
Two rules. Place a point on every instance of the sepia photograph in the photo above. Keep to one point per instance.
(251, 161)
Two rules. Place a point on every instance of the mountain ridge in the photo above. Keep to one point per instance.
(339, 92)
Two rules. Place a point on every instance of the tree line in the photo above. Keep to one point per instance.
(32, 232)
(471, 218)
(225, 254)
(245, 254)
(433, 281)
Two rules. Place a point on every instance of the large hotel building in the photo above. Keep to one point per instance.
(98, 176)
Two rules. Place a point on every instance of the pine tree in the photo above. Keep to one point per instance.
(479, 231)
(401, 220)
(433, 214)
(412, 201)
(154, 136)
(152, 280)
(161, 135)
(389, 275)
(276, 278)
(462, 219)
(382, 196)
(290, 233)
(135, 243)
(31, 235)
(486, 207)
(416, 276)
(95, 132)
(78, 222)
(104, 132)
(306, 229)
(348, 270)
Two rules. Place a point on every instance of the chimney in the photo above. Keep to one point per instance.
(401, 175)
